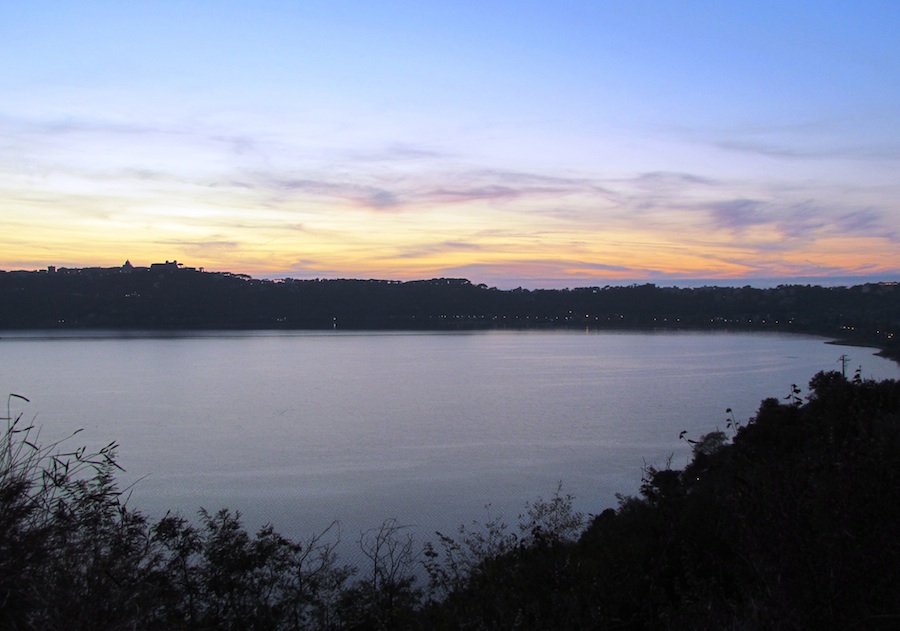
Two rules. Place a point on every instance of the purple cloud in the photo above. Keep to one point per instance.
(737, 214)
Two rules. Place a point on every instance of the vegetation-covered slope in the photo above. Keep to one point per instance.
(170, 297)
(788, 521)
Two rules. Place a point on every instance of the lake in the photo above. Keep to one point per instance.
(303, 428)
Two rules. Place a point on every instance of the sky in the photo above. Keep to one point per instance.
(513, 143)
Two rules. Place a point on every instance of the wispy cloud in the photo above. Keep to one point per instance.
(835, 150)
(866, 221)
(497, 185)
(58, 126)
(737, 214)
(406, 209)
(396, 191)
(374, 197)
(400, 153)
(442, 248)
(669, 180)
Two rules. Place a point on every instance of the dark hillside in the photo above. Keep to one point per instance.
(171, 297)
(792, 524)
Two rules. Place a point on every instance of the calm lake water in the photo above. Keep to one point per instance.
(303, 428)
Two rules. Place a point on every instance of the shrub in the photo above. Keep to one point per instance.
(788, 523)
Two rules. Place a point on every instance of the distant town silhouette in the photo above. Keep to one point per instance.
(171, 295)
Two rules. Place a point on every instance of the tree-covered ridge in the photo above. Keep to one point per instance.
(169, 296)
(786, 521)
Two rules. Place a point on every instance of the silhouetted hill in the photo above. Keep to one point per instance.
(167, 296)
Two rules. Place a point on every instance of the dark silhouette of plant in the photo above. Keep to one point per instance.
(222, 577)
(491, 577)
(385, 597)
(793, 396)
(789, 522)
(66, 538)
(73, 555)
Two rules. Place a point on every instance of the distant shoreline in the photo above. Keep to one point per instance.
(169, 297)
(141, 333)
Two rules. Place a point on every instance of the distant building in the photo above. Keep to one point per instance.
(171, 266)
(168, 266)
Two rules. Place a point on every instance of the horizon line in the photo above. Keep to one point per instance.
(759, 282)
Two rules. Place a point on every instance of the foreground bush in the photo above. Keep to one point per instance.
(789, 521)
(73, 555)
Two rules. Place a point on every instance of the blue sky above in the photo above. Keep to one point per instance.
(526, 143)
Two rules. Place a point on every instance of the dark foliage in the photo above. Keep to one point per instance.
(172, 297)
(792, 524)
(789, 521)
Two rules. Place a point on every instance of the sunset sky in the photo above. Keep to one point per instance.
(514, 143)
